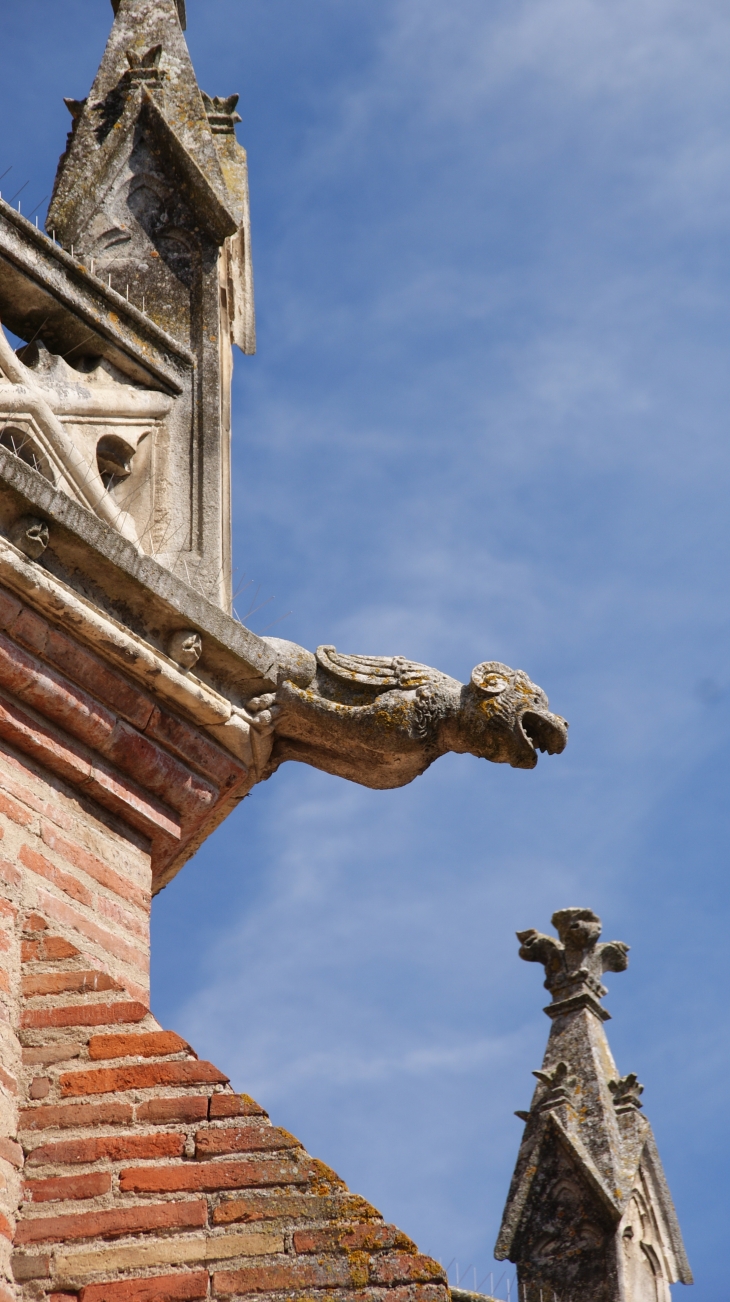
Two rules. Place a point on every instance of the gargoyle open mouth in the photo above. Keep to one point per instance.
(545, 732)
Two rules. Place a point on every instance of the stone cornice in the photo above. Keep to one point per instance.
(40, 279)
(68, 710)
(123, 579)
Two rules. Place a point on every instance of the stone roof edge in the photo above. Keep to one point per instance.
(651, 1159)
(221, 221)
(36, 255)
(528, 1163)
(247, 654)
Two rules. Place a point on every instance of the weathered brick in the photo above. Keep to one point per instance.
(79, 857)
(11, 1152)
(49, 949)
(30, 630)
(125, 798)
(25, 1266)
(64, 881)
(165, 1111)
(8, 1081)
(56, 983)
(169, 779)
(35, 922)
(4, 981)
(163, 1288)
(116, 1148)
(9, 874)
(234, 1105)
(71, 1186)
(402, 1268)
(176, 1251)
(97, 678)
(132, 920)
(40, 1087)
(62, 912)
(76, 1114)
(14, 810)
(59, 1051)
(210, 1176)
(155, 1044)
(353, 1238)
(193, 748)
(16, 781)
(244, 1139)
(53, 696)
(10, 609)
(110, 1224)
(336, 1273)
(43, 744)
(83, 1015)
(109, 1080)
(260, 1206)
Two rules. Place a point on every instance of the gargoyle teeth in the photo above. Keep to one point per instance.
(544, 732)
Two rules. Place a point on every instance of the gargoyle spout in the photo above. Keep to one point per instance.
(504, 717)
(380, 721)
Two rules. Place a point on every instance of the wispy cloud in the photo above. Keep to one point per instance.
(487, 419)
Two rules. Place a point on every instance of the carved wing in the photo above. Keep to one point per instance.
(374, 671)
(536, 948)
(614, 956)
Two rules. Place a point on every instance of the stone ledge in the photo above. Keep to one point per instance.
(128, 585)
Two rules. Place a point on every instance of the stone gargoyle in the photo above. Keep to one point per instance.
(382, 720)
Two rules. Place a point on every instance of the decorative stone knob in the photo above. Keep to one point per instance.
(30, 536)
(185, 648)
(575, 963)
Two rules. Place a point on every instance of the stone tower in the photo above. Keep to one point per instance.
(136, 713)
(589, 1214)
(151, 196)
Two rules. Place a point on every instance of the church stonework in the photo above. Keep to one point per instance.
(589, 1214)
(136, 713)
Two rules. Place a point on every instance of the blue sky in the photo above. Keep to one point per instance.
(488, 419)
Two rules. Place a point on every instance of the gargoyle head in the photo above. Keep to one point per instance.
(504, 717)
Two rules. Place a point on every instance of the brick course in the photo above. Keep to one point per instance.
(134, 1172)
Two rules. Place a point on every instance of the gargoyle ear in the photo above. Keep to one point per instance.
(491, 678)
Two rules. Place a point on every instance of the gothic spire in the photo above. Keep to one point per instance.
(589, 1213)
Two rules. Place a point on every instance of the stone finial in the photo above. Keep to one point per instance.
(221, 113)
(626, 1093)
(575, 963)
(588, 1214)
(144, 68)
(151, 196)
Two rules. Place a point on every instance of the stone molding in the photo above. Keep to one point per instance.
(65, 706)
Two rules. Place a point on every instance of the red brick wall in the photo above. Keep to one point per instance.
(129, 1170)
